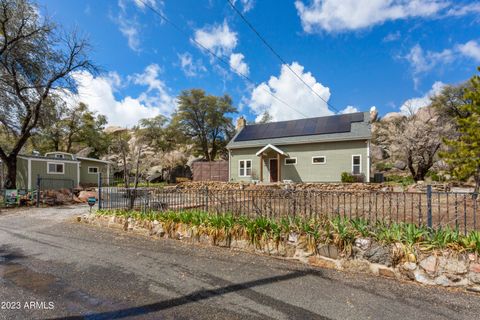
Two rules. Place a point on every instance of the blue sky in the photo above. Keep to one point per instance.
(355, 54)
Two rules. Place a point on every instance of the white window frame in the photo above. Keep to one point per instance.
(291, 164)
(98, 170)
(60, 156)
(319, 163)
(360, 164)
(245, 168)
(55, 163)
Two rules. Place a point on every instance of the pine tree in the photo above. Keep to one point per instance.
(464, 152)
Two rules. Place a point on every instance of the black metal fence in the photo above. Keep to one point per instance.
(431, 208)
(52, 191)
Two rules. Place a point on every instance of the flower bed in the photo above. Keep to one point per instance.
(399, 250)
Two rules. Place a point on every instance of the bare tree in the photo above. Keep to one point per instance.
(414, 138)
(36, 58)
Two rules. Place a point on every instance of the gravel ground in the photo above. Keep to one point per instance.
(72, 270)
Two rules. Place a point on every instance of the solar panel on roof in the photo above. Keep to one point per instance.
(301, 127)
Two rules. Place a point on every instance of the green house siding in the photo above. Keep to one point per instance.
(87, 178)
(338, 157)
(22, 173)
(39, 167)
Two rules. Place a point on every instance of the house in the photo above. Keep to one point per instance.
(78, 171)
(306, 150)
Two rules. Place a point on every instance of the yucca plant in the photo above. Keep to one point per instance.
(361, 226)
(471, 241)
(343, 235)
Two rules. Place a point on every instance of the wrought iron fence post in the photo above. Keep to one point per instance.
(99, 191)
(206, 199)
(38, 190)
(429, 206)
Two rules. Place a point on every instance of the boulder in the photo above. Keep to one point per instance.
(400, 165)
(322, 262)
(378, 153)
(429, 264)
(84, 195)
(328, 250)
(420, 276)
(379, 254)
(452, 266)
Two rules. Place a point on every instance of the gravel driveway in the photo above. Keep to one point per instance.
(54, 267)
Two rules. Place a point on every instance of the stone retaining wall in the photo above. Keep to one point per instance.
(441, 268)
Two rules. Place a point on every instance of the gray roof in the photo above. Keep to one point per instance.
(352, 126)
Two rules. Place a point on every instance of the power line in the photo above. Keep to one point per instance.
(213, 54)
(276, 53)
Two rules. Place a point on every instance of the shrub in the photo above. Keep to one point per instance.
(350, 178)
(381, 166)
(400, 179)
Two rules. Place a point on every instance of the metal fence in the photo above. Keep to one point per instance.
(52, 191)
(432, 208)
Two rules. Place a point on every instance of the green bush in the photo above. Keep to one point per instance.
(400, 179)
(381, 166)
(435, 176)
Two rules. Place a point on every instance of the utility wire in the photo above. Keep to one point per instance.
(276, 53)
(213, 54)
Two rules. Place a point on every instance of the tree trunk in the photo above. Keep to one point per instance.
(477, 181)
(11, 176)
(411, 167)
(133, 195)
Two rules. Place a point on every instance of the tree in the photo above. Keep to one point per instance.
(119, 143)
(35, 60)
(266, 117)
(463, 154)
(203, 119)
(415, 138)
(70, 129)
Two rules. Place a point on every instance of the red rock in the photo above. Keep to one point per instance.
(321, 262)
(386, 272)
(84, 195)
(475, 267)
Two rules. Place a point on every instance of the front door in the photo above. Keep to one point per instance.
(273, 170)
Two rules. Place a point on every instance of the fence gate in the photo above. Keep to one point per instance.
(52, 191)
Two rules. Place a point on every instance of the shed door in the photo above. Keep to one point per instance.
(273, 170)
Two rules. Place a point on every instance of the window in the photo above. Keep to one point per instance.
(319, 160)
(60, 156)
(55, 168)
(245, 168)
(356, 164)
(290, 161)
(93, 170)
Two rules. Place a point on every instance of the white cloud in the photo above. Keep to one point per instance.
(237, 63)
(217, 38)
(348, 15)
(422, 61)
(412, 105)
(141, 4)
(289, 89)
(247, 5)
(221, 40)
(191, 67)
(470, 49)
(461, 10)
(131, 30)
(392, 36)
(98, 94)
(349, 109)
